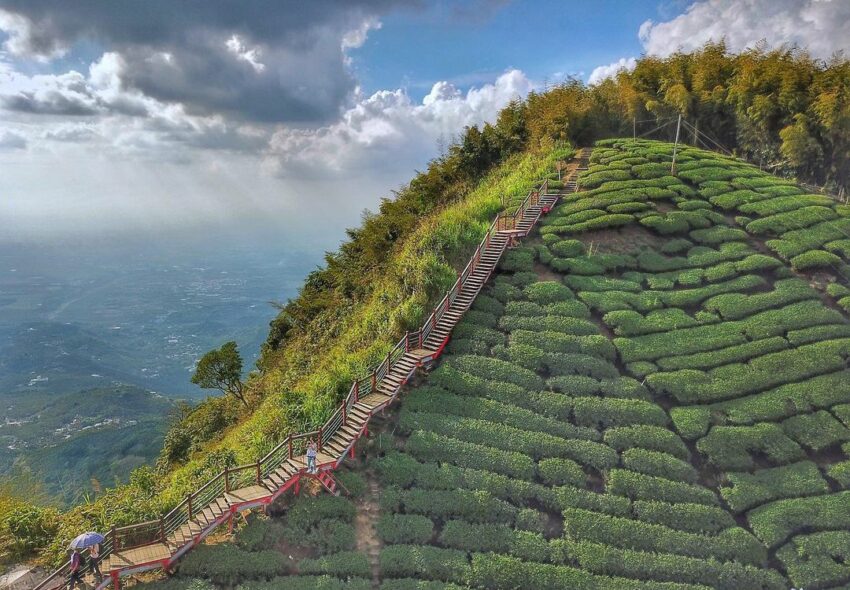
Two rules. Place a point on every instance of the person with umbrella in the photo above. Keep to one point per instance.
(76, 572)
(92, 541)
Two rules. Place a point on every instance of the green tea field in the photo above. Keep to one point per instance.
(652, 393)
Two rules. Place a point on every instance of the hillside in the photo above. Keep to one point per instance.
(652, 393)
(392, 269)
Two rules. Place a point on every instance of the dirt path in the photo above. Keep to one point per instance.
(368, 541)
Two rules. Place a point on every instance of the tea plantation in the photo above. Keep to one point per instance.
(652, 393)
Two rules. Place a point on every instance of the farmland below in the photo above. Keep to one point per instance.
(652, 393)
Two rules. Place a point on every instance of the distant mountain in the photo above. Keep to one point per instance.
(60, 357)
(70, 444)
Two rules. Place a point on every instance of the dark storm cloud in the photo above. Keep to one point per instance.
(48, 103)
(261, 60)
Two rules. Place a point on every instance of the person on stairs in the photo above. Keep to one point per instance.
(94, 559)
(76, 572)
(312, 450)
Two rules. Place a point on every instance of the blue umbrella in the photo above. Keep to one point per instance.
(86, 540)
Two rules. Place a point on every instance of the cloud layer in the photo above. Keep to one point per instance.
(821, 26)
(265, 60)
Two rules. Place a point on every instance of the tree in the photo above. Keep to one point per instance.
(222, 369)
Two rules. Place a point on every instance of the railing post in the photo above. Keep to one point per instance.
(319, 445)
(434, 320)
(226, 479)
(290, 446)
(389, 364)
(374, 379)
(115, 544)
(189, 497)
(161, 529)
(259, 479)
(344, 416)
(356, 391)
(407, 341)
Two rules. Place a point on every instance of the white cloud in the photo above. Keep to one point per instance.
(609, 71)
(12, 141)
(237, 47)
(357, 37)
(821, 26)
(390, 131)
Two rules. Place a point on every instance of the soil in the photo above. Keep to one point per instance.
(368, 542)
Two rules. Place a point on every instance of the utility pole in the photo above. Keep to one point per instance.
(676, 145)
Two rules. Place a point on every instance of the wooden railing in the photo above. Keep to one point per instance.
(295, 445)
(509, 221)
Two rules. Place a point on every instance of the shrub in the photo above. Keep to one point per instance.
(737, 305)
(642, 565)
(694, 518)
(816, 431)
(586, 365)
(517, 259)
(307, 583)
(308, 512)
(782, 204)
(815, 259)
(432, 398)
(775, 522)
(561, 472)
(784, 222)
(734, 380)
(729, 447)
(604, 413)
(488, 304)
(228, 565)
(480, 318)
(420, 561)
(498, 538)
(405, 528)
(653, 438)
(567, 248)
(818, 560)
(691, 422)
(567, 325)
(491, 434)
(638, 486)
(471, 505)
(724, 356)
(529, 519)
(733, 544)
(631, 323)
(659, 464)
(496, 369)
(589, 180)
(481, 334)
(559, 342)
(343, 565)
(432, 447)
(260, 533)
(546, 292)
(786, 400)
(818, 333)
(717, 235)
(412, 584)
(543, 402)
(752, 489)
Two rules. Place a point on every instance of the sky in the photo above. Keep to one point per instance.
(159, 117)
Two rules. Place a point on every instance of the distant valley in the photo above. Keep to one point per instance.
(92, 362)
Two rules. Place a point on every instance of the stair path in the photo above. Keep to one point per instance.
(349, 423)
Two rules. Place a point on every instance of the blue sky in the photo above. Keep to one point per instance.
(162, 116)
(542, 38)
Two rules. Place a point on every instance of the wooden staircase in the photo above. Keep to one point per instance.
(160, 543)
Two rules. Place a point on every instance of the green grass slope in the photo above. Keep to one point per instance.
(652, 393)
